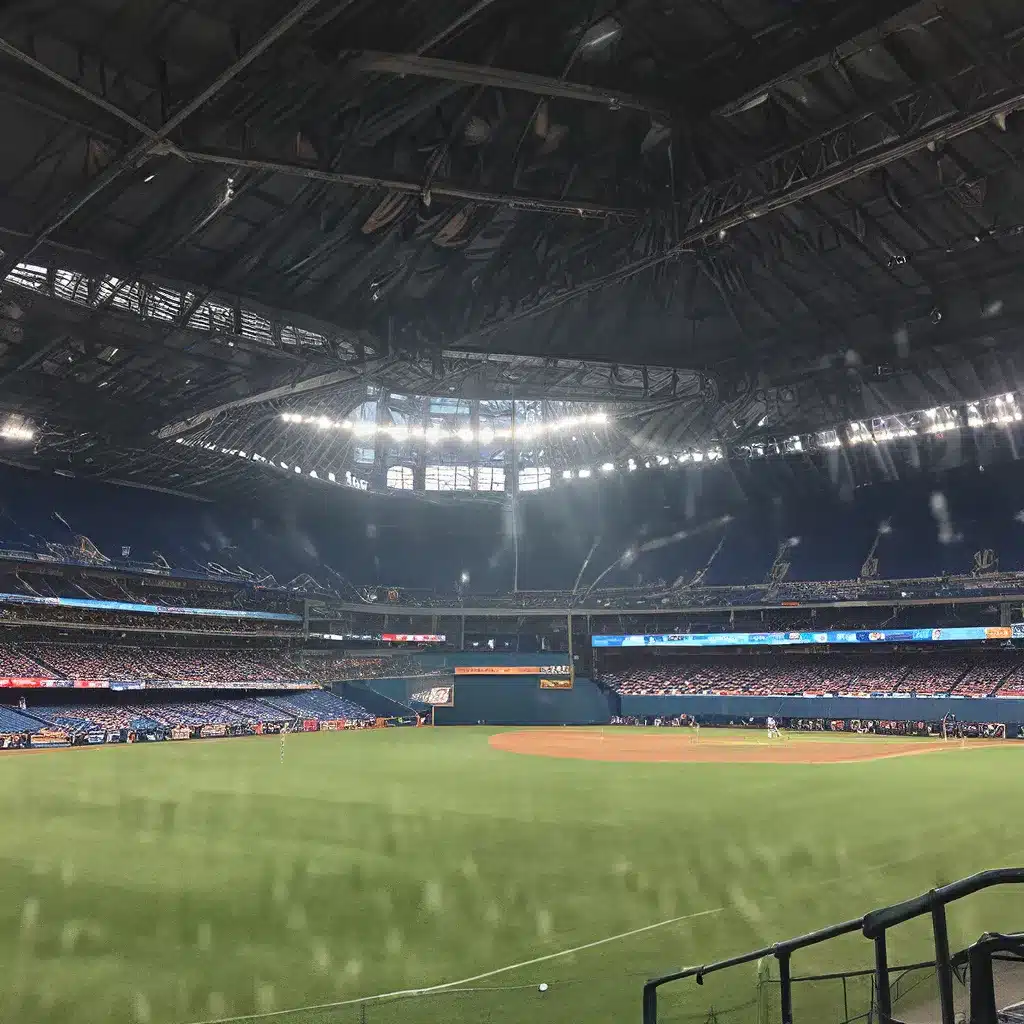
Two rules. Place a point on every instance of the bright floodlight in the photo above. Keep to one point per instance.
(17, 430)
(464, 578)
(608, 467)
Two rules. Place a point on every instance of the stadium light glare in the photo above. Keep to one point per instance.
(17, 432)
(483, 434)
(567, 474)
(584, 473)
(608, 467)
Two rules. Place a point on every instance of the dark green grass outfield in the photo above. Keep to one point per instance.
(197, 881)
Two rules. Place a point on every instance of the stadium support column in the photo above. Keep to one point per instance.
(515, 502)
(568, 622)
(1005, 614)
(305, 618)
(474, 451)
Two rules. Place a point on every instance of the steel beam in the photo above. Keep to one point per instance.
(79, 90)
(541, 204)
(520, 81)
(819, 49)
(75, 203)
(949, 127)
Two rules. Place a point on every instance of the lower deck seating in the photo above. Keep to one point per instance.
(75, 718)
(321, 705)
(12, 721)
(785, 674)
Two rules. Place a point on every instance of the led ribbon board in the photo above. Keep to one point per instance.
(838, 636)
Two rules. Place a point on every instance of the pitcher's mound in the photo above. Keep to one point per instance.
(624, 745)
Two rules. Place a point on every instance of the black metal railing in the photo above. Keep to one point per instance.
(874, 927)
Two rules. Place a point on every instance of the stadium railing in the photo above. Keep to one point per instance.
(871, 994)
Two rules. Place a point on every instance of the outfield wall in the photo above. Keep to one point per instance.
(890, 709)
(493, 700)
(519, 700)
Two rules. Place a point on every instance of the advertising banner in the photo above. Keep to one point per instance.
(214, 729)
(50, 738)
(515, 670)
(555, 684)
(391, 638)
(311, 725)
(181, 732)
(199, 684)
(333, 726)
(96, 737)
(91, 684)
(839, 636)
(148, 609)
(32, 684)
(439, 696)
(413, 638)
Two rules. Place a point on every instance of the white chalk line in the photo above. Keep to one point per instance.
(409, 992)
(466, 981)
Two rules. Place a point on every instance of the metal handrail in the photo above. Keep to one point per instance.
(872, 925)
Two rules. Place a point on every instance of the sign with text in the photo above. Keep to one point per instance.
(555, 684)
(838, 636)
(513, 670)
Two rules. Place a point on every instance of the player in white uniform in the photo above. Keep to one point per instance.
(773, 729)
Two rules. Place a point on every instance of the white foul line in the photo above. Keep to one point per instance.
(465, 981)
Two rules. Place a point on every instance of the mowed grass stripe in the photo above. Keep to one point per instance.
(186, 882)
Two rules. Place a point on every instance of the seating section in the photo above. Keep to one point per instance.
(208, 666)
(788, 674)
(312, 704)
(320, 705)
(15, 661)
(396, 666)
(1013, 683)
(13, 721)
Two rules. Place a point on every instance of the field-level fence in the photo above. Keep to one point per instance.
(980, 985)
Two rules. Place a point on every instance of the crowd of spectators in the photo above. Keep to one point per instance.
(244, 713)
(144, 590)
(398, 666)
(129, 662)
(790, 674)
(85, 617)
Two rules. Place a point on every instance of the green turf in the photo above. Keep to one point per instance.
(188, 882)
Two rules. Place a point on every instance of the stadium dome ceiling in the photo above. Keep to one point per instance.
(730, 218)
